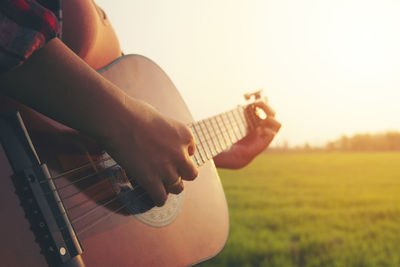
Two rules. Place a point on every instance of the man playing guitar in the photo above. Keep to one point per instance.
(57, 78)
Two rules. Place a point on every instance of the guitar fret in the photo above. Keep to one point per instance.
(190, 125)
(220, 136)
(217, 134)
(199, 156)
(227, 130)
(240, 131)
(196, 154)
(196, 159)
(203, 150)
(251, 121)
(216, 143)
(210, 139)
(223, 132)
(203, 140)
(207, 125)
(231, 123)
(199, 145)
(206, 139)
(241, 134)
(242, 118)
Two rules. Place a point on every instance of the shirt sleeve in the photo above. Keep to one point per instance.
(25, 26)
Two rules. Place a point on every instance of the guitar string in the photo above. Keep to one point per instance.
(104, 204)
(101, 218)
(195, 134)
(86, 188)
(223, 131)
(89, 164)
(87, 227)
(87, 212)
(220, 128)
(61, 175)
(99, 206)
(236, 125)
(205, 137)
(215, 131)
(240, 108)
(90, 211)
(86, 177)
(85, 201)
(93, 223)
(98, 220)
(108, 215)
(68, 209)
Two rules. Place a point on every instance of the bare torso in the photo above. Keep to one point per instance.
(88, 32)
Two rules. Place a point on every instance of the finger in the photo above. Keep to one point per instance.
(271, 123)
(191, 145)
(261, 141)
(171, 176)
(187, 170)
(266, 137)
(175, 188)
(267, 108)
(172, 181)
(266, 133)
(156, 190)
(248, 139)
(191, 148)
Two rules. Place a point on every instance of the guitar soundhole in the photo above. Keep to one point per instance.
(138, 203)
(134, 197)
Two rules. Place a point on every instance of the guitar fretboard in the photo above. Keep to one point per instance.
(215, 134)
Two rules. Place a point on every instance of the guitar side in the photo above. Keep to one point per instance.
(200, 229)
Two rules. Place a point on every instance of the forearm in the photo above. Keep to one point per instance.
(244, 151)
(57, 83)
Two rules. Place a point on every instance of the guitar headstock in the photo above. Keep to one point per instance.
(256, 112)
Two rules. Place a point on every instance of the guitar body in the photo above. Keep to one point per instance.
(115, 237)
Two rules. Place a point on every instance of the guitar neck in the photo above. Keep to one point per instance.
(215, 134)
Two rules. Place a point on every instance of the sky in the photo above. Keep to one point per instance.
(328, 68)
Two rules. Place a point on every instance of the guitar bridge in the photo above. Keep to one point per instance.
(47, 216)
(38, 196)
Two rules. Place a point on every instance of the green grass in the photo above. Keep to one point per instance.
(315, 209)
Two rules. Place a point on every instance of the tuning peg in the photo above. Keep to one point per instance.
(256, 95)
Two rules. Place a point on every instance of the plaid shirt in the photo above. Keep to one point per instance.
(25, 26)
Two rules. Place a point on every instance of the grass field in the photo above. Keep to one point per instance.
(314, 209)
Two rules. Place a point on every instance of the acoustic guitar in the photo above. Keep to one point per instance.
(65, 202)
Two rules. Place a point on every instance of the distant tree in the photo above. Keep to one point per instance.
(388, 141)
(307, 146)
